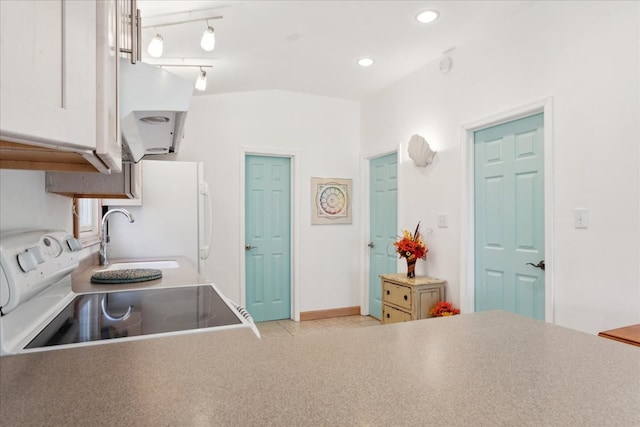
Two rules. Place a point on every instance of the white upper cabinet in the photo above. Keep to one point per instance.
(59, 77)
(108, 136)
(48, 77)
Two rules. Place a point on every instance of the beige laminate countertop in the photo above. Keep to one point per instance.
(491, 368)
(185, 274)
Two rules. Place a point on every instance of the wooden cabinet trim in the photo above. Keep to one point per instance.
(30, 157)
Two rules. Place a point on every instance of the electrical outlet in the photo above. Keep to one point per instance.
(443, 221)
(581, 218)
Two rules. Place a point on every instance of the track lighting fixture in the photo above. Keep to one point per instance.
(155, 46)
(201, 83)
(208, 41)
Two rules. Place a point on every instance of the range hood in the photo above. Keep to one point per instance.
(153, 109)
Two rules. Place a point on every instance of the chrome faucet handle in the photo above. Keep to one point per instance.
(106, 239)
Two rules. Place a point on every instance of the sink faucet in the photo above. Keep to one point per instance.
(106, 240)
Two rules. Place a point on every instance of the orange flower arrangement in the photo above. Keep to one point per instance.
(444, 308)
(411, 246)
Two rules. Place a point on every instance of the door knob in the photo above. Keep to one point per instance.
(371, 245)
(540, 265)
(249, 247)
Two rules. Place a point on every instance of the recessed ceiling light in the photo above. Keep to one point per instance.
(427, 16)
(365, 62)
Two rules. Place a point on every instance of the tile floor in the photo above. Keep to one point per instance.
(284, 328)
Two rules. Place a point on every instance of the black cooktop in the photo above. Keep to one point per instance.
(95, 317)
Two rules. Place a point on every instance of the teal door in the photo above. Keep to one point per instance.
(509, 217)
(383, 197)
(267, 233)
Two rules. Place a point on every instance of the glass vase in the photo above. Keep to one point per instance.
(411, 267)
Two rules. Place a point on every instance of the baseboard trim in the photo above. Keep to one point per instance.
(333, 312)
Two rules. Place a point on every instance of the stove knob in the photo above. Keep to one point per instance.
(27, 261)
(37, 253)
(74, 244)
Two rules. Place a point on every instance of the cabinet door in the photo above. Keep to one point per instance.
(428, 299)
(48, 73)
(108, 140)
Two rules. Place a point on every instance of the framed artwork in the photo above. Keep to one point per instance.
(330, 201)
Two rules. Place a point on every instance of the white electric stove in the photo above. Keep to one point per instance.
(39, 311)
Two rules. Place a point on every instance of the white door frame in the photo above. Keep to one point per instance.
(467, 240)
(365, 206)
(294, 156)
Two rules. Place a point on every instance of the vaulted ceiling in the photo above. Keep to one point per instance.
(312, 46)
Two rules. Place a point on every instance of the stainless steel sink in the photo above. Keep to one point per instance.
(160, 265)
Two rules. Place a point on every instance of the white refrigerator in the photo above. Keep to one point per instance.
(174, 218)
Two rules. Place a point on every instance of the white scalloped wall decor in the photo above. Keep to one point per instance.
(420, 151)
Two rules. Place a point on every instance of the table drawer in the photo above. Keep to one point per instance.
(396, 294)
(393, 315)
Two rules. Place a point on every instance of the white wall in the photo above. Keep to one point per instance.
(24, 203)
(323, 133)
(586, 56)
(583, 54)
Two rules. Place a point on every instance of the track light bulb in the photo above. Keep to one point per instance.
(201, 83)
(155, 46)
(208, 41)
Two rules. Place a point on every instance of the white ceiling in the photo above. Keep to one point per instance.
(312, 46)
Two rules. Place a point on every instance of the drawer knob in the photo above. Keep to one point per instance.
(406, 297)
(388, 315)
(388, 292)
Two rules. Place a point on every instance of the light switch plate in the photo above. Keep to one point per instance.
(581, 218)
(443, 221)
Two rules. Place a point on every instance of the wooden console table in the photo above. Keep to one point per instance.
(627, 334)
